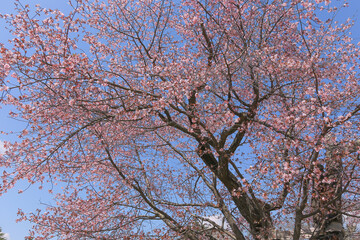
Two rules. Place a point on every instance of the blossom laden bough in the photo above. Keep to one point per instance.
(154, 114)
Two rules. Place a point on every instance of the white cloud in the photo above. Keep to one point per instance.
(7, 236)
(217, 219)
(2, 148)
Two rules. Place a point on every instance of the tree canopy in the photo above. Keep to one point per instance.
(2, 235)
(155, 116)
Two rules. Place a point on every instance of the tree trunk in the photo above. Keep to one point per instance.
(329, 221)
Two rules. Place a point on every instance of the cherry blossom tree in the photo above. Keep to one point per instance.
(152, 116)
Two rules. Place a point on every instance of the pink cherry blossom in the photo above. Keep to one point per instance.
(149, 117)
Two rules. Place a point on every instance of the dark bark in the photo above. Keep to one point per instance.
(327, 198)
(256, 213)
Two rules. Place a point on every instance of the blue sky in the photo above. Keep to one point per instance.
(32, 198)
